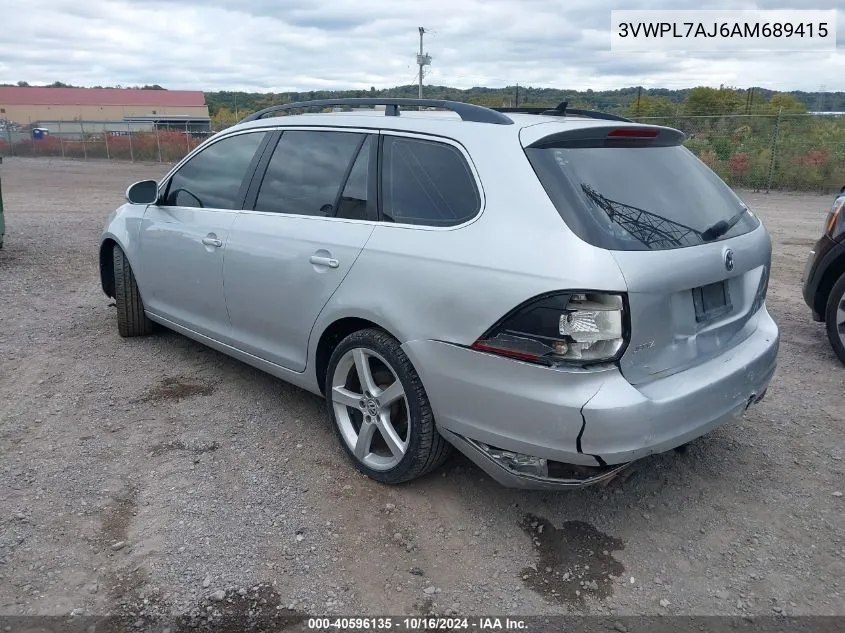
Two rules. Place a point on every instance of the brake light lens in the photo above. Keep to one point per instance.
(566, 328)
(632, 132)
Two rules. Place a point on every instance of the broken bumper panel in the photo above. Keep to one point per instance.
(549, 475)
(624, 423)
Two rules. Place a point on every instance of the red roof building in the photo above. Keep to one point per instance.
(28, 104)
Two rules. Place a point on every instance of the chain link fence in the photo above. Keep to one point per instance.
(110, 140)
(799, 152)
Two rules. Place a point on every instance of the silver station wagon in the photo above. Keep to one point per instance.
(556, 293)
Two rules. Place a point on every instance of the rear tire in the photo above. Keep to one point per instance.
(131, 319)
(384, 422)
(835, 318)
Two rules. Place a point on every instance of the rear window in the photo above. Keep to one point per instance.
(639, 198)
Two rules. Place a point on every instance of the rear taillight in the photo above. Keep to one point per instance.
(562, 328)
(762, 289)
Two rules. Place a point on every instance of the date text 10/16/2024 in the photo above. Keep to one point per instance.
(417, 623)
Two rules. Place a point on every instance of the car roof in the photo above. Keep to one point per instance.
(434, 122)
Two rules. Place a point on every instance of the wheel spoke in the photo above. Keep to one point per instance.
(365, 376)
(365, 439)
(347, 398)
(391, 394)
(391, 437)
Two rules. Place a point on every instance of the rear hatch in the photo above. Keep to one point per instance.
(694, 258)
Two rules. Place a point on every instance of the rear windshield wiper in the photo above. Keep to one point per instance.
(721, 227)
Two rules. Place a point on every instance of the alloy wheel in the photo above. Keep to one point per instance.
(371, 409)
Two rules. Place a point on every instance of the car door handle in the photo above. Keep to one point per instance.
(212, 241)
(324, 261)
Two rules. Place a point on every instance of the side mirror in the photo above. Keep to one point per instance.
(143, 192)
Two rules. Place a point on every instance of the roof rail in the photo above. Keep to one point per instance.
(562, 109)
(467, 111)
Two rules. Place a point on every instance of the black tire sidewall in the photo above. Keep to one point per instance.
(419, 409)
(122, 290)
(131, 317)
(837, 295)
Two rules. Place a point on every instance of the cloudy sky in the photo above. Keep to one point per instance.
(295, 45)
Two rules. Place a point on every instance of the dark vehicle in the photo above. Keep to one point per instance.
(824, 276)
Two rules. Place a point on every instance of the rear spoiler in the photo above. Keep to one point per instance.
(633, 135)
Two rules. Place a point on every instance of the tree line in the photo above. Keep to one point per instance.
(226, 107)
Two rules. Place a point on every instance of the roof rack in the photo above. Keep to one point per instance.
(467, 111)
(563, 109)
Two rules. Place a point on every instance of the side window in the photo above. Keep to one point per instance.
(353, 201)
(306, 171)
(426, 183)
(212, 179)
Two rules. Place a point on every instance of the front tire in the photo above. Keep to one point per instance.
(131, 319)
(835, 318)
(380, 410)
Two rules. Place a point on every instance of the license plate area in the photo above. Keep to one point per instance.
(711, 301)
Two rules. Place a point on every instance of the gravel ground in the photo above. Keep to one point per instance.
(154, 475)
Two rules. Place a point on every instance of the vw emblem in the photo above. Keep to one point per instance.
(372, 406)
(729, 260)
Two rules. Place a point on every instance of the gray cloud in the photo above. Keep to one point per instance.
(284, 45)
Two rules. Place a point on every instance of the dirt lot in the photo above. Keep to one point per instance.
(156, 476)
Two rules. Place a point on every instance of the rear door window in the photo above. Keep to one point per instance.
(426, 183)
(640, 198)
(353, 201)
(306, 172)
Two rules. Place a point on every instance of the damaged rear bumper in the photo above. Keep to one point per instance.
(624, 423)
(487, 405)
(557, 476)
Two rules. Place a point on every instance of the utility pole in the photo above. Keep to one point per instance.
(423, 59)
(516, 103)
